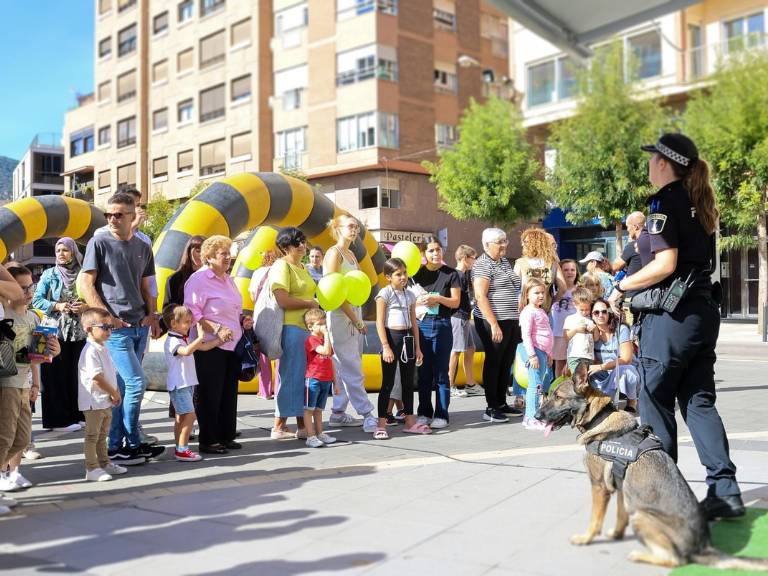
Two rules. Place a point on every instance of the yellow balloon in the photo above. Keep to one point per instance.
(264, 239)
(78, 284)
(251, 258)
(358, 287)
(409, 253)
(331, 291)
(520, 371)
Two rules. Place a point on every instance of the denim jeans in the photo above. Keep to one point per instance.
(541, 377)
(436, 341)
(126, 347)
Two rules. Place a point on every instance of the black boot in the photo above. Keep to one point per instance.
(715, 507)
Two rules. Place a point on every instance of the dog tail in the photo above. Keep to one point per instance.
(716, 559)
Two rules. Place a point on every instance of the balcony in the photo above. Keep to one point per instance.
(701, 61)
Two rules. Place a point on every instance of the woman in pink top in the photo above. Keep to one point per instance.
(536, 348)
(211, 295)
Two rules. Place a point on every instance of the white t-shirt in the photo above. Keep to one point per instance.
(181, 369)
(581, 345)
(94, 359)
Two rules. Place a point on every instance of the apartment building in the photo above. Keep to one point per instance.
(181, 96)
(673, 54)
(39, 174)
(353, 94)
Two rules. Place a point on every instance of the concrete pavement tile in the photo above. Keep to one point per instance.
(408, 564)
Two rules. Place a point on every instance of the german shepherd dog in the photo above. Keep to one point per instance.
(654, 496)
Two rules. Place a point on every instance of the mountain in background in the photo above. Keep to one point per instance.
(7, 166)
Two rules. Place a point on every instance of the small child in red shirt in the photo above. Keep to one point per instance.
(319, 377)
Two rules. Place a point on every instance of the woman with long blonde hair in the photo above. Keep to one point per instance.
(540, 260)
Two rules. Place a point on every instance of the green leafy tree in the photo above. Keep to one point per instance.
(490, 173)
(728, 120)
(600, 170)
(159, 211)
(197, 188)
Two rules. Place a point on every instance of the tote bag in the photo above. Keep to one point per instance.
(268, 320)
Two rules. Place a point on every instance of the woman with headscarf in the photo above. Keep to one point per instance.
(56, 297)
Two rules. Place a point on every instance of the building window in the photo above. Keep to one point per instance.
(551, 81)
(105, 135)
(289, 23)
(379, 196)
(186, 10)
(160, 167)
(48, 169)
(444, 19)
(212, 103)
(446, 81)
(105, 6)
(126, 176)
(212, 49)
(160, 71)
(212, 157)
(105, 47)
(105, 91)
(645, 51)
(160, 119)
(387, 6)
(184, 161)
(210, 6)
(746, 32)
(125, 4)
(365, 63)
(240, 33)
(126, 132)
(290, 84)
(184, 61)
(290, 145)
(241, 88)
(126, 40)
(445, 135)
(104, 180)
(126, 86)
(346, 9)
(361, 131)
(369, 197)
(160, 23)
(241, 145)
(185, 109)
(81, 142)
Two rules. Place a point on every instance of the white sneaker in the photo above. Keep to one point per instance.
(457, 392)
(115, 469)
(7, 502)
(344, 419)
(97, 475)
(21, 482)
(439, 423)
(370, 423)
(4, 510)
(30, 453)
(315, 442)
(533, 424)
(70, 428)
(326, 438)
(423, 420)
(7, 484)
(474, 390)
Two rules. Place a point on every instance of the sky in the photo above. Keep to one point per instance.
(46, 57)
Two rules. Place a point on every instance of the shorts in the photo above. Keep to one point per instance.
(560, 348)
(574, 362)
(181, 398)
(462, 335)
(316, 393)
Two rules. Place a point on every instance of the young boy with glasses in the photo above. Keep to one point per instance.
(97, 394)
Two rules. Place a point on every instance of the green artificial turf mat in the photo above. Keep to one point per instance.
(746, 536)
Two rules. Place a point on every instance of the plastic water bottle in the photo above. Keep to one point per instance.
(620, 275)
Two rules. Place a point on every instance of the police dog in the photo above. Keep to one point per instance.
(653, 495)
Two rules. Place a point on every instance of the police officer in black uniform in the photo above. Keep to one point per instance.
(677, 349)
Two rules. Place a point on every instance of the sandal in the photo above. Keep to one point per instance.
(380, 434)
(418, 429)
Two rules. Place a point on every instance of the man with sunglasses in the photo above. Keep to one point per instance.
(116, 276)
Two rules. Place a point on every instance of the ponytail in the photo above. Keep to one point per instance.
(700, 192)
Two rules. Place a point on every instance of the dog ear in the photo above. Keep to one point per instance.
(581, 378)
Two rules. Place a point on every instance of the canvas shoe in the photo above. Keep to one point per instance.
(474, 390)
(439, 423)
(150, 451)
(493, 415)
(510, 410)
(344, 419)
(114, 469)
(127, 457)
(97, 475)
(326, 438)
(370, 423)
(315, 442)
(187, 456)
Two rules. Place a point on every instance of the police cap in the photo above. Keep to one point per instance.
(675, 147)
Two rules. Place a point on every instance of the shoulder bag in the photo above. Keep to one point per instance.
(268, 320)
(7, 354)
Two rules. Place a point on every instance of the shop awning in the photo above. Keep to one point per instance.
(574, 25)
(78, 170)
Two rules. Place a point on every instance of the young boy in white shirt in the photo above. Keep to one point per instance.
(97, 393)
(579, 330)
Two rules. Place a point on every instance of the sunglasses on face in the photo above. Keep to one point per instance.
(107, 327)
(601, 311)
(116, 215)
(299, 242)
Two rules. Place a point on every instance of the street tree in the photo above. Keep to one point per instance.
(159, 212)
(600, 171)
(728, 120)
(490, 173)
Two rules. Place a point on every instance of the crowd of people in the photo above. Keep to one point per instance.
(537, 307)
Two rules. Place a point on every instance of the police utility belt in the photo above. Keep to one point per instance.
(666, 299)
(625, 449)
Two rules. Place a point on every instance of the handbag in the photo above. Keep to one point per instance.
(247, 351)
(268, 320)
(7, 353)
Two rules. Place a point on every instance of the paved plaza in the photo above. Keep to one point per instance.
(475, 499)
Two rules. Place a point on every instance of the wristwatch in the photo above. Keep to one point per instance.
(617, 286)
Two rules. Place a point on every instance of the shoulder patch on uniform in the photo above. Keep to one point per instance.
(656, 223)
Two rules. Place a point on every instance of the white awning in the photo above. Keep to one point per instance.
(575, 25)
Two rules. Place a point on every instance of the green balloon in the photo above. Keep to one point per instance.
(358, 287)
(331, 291)
(409, 253)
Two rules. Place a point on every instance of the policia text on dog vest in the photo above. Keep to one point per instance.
(625, 449)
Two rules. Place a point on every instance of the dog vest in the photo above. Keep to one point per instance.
(625, 449)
